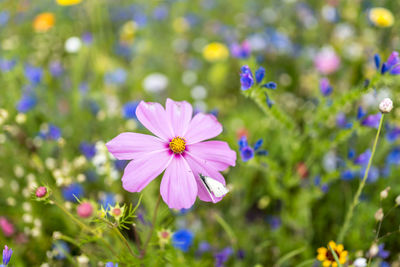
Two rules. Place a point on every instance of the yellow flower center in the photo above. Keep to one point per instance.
(177, 145)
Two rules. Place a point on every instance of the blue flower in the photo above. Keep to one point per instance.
(260, 73)
(4, 17)
(222, 256)
(325, 87)
(107, 200)
(394, 156)
(203, 247)
(87, 149)
(111, 264)
(246, 78)
(247, 153)
(117, 77)
(243, 142)
(6, 255)
(373, 174)
(129, 110)
(274, 221)
(120, 164)
(360, 113)
(377, 60)
(160, 12)
(26, 103)
(258, 144)
(52, 132)
(182, 239)
(72, 191)
(347, 175)
(60, 249)
(270, 85)
(33, 74)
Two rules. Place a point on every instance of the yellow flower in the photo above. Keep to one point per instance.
(68, 2)
(44, 22)
(381, 17)
(326, 257)
(117, 212)
(127, 34)
(215, 52)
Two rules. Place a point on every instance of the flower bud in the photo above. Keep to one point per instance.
(373, 251)
(379, 215)
(41, 192)
(384, 194)
(386, 105)
(85, 210)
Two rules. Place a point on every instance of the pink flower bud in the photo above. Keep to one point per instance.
(85, 210)
(41, 192)
(6, 227)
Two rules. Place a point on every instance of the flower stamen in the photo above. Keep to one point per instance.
(177, 145)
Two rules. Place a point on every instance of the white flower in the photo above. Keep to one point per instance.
(155, 83)
(73, 44)
(386, 105)
(398, 200)
(373, 251)
(360, 262)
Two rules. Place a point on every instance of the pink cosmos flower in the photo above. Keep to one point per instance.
(177, 148)
(327, 61)
(6, 227)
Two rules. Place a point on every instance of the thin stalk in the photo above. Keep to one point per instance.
(146, 243)
(124, 241)
(355, 202)
(85, 227)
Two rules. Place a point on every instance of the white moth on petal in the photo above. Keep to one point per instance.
(213, 187)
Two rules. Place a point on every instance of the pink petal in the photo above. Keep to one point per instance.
(154, 118)
(207, 170)
(178, 185)
(179, 114)
(216, 153)
(202, 127)
(134, 145)
(139, 173)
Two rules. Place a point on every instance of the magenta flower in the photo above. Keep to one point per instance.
(177, 148)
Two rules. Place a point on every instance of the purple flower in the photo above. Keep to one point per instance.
(363, 158)
(160, 12)
(372, 120)
(382, 252)
(246, 78)
(87, 149)
(260, 73)
(325, 87)
(182, 239)
(222, 256)
(87, 38)
(56, 68)
(6, 255)
(392, 65)
(7, 65)
(242, 50)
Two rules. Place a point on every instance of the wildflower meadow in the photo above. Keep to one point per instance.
(200, 133)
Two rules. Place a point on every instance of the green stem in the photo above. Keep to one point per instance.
(86, 228)
(355, 202)
(153, 224)
(124, 241)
